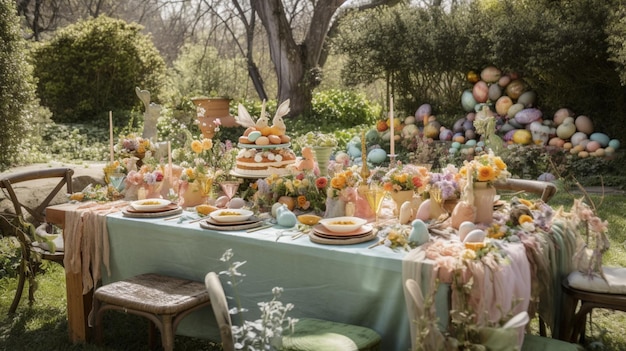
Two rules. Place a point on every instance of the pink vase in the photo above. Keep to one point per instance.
(192, 194)
(484, 195)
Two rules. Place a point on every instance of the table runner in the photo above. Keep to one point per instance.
(87, 241)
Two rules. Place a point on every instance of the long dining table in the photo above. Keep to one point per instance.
(353, 284)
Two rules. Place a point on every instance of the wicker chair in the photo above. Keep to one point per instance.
(162, 299)
(309, 334)
(24, 224)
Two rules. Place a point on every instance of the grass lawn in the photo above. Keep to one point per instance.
(44, 325)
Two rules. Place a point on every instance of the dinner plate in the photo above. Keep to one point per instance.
(250, 220)
(150, 205)
(207, 225)
(171, 210)
(230, 215)
(343, 224)
(339, 237)
(349, 241)
(319, 228)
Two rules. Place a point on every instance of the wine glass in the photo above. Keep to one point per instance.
(230, 188)
(375, 196)
(117, 180)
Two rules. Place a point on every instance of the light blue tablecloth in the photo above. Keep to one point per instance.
(350, 284)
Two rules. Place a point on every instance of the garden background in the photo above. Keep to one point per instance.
(65, 65)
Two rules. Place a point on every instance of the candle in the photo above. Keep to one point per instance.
(392, 140)
(111, 135)
(262, 109)
(169, 160)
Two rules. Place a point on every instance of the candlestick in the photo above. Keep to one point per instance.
(392, 141)
(111, 135)
(169, 160)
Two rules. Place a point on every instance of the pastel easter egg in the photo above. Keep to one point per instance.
(467, 101)
(578, 138)
(614, 143)
(456, 144)
(494, 93)
(528, 98)
(490, 74)
(377, 156)
(254, 135)
(423, 112)
(584, 124)
(528, 115)
(601, 138)
(561, 114)
(475, 236)
(503, 104)
(522, 137)
(453, 150)
(592, 146)
(423, 212)
(465, 228)
(236, 202)
(514, 109)
(221, 201)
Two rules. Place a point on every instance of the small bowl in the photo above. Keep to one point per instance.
(150, 204)
(229, 215)
(309, 219)
(343, 224)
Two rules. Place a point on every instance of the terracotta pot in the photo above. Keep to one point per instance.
(208, 110)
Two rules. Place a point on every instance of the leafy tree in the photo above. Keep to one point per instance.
(16, 88)
(616, 31)
(93, 66)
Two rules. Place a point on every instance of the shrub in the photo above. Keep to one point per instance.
(17, 99)
(332, 109)
(93, 66)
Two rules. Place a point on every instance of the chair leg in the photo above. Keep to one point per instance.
(167, 333)
(152, 333)
(20, 284)
(98, 327)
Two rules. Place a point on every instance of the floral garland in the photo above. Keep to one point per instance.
(406, 177)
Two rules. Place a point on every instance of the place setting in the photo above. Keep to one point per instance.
(152, 208)
(230, 219)
(342, 231)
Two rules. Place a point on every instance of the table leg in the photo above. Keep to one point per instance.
(78, 308)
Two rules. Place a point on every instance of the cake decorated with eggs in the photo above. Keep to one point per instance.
(265, 148)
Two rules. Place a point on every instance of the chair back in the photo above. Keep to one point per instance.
(37, 210)
(545, 189)
(220, 310)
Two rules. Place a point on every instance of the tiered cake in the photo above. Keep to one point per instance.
(265, 149)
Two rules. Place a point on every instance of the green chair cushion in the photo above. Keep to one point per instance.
(315, 335)
(539, 343)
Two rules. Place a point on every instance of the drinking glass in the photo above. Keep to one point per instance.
(375, 196)
(117, 180)
(230, 188)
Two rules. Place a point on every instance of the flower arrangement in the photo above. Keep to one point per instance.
(485, 168)
(445, 183)
(134, 146)
(342, 181)
(308, 190)
(406, 177)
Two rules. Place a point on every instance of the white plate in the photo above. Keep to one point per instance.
(229, 215)
(150, 204)
(343, 224)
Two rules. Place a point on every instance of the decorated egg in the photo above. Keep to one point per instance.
(423, 212)
(514, 109)
(566, 129)
(471, 143)
(528, 98)
(470, 134)
(609, 151)
(221, 201)
(506, 127)
(445, 134)
(475, 236)
(423, 112)
(465, 228)
(409, 120)
(556, 141)
(471, 116)
(528, 115)
(456, 144)
(561, 114)
(254, 135)
(453, 150)
(262, 140)
(515, 89)
(480, 91)
(274, 139)
(431, 130)
(577, 138)
(459, 138)
(504, 80)
(592, 146)
(503, 104)
(490, 74)
(583, 154)
(567, 145)
(457, 127)
(236, 202)
(600, 152)
(494, 93)
(467, 101)
(601, 138)
(377, 156)
(614, 143)
(584, 124)
(522, 137)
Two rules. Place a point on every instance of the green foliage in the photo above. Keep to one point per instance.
(334, 109)
(17, 99)
(200, 71)
(616, 36)
(93, 66)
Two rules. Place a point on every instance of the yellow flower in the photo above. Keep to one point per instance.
(338, 182)
(485, 174)
(525, 218)
(499, 163)
(196, 146)
(207, 144)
